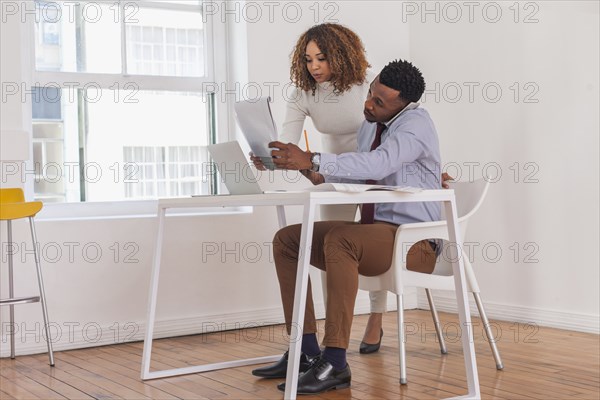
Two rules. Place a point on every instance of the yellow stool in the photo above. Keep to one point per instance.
(13, 206)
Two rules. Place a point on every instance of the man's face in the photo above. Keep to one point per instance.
(382, 102)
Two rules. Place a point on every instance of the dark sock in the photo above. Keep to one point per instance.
(310, 345)
(336, 356)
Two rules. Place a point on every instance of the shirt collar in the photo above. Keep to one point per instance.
(410, 106)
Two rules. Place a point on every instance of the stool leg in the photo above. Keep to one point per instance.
(42, 292)
(11, 289)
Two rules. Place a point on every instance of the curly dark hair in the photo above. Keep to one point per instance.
(401, 75)
(345, 53)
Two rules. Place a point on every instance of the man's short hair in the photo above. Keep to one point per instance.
(404, 77)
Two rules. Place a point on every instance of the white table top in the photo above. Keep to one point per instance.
(299, 197)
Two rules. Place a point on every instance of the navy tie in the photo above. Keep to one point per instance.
(367, 213)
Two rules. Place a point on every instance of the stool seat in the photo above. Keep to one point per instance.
(9, 211)
(14, 206)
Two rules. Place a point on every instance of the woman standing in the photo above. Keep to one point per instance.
(329, 71)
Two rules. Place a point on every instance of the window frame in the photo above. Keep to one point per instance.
(217, 70)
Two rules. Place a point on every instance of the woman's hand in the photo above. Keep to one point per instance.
(257, 162)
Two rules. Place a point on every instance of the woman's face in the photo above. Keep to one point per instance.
(316, 63)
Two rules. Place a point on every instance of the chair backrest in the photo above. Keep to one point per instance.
(469, 196)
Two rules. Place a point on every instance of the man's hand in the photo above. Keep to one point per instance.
(445, 178)
(290, 156)
(315, 177)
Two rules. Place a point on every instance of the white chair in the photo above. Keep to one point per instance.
(469, 196)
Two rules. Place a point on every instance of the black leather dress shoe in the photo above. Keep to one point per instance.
(279, 369)
(366, 348)
(322, 377)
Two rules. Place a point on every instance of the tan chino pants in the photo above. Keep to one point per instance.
(343, 250)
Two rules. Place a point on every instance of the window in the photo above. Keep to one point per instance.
(118, 106)
(163, 171)
(165, 51)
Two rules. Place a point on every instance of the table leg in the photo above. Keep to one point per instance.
(464, 314)
(281, 217)
(291, 382)
(153, 292)
(150, 322)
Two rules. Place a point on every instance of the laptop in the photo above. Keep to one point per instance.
(235, 169)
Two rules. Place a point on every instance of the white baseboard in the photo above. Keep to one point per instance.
(445, 301)
(29, 338)
(69, 336)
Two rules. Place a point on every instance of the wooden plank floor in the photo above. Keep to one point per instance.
(540, 363)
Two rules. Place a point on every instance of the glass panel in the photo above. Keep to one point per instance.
(172, 42)
(47, 130)
(82, 36)
(174, 189)
(160, 171)
(54, 154)
(184, 154)
(149, 172)
(38, 151)
(51, 187)
(46, 103)
(134, 140)
(158, 123)
(173, 172)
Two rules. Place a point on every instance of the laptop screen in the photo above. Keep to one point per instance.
(235, 169)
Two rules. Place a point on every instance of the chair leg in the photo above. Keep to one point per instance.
(401, 339)
(488, 331)
(42, 292)
(11, 289)
(436, 322)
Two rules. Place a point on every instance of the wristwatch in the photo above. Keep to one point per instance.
(315, 159)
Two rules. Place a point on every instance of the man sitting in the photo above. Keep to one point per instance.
(398, 146)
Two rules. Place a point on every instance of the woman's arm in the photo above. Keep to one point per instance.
(295, 115)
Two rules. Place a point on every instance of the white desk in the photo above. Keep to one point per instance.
(310, 201)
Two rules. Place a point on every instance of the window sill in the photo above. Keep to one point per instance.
(123, 210)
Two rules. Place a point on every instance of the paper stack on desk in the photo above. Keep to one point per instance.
(359, 188)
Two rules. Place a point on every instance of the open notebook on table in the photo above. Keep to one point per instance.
(359, 188)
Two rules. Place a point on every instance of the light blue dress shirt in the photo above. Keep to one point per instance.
(409, 155)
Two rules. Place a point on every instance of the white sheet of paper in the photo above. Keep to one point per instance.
(256, 121)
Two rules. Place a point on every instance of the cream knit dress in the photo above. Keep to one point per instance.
(336, 117)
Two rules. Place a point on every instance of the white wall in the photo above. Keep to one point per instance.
(558, 214)
(550, 209)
